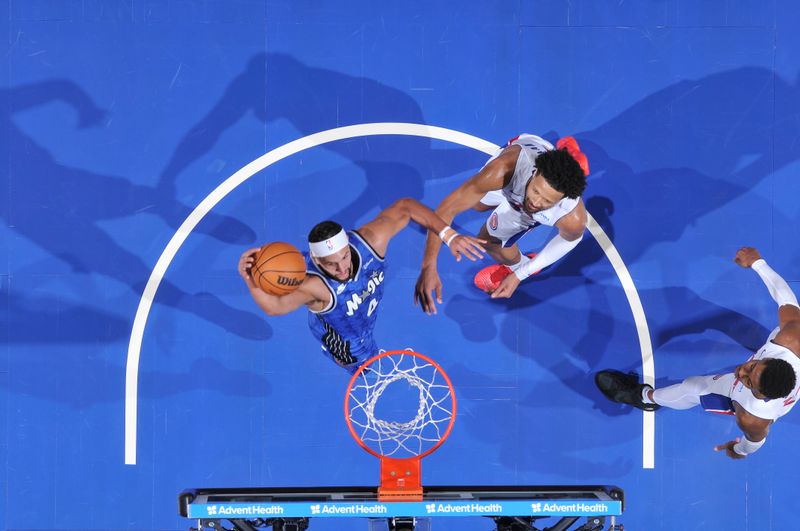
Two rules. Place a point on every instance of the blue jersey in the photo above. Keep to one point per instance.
(345, 326)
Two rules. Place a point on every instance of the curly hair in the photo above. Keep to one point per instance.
(562, 172)
(777, 379)
(323, 230)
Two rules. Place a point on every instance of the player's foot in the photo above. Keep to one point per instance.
(623, 388)
(490, 277)
(571, 145)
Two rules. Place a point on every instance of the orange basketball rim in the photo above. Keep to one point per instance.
(400, 444)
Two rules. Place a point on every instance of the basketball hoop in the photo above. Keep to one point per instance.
(427, 408)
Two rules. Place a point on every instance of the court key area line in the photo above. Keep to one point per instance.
(314, 140)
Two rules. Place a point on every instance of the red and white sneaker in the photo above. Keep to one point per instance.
(573, 148)
(490, 277)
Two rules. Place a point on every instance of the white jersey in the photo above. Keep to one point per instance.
(768, 409)
(514, 192)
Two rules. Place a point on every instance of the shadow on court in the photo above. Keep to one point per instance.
(62, 210)
(276, 86)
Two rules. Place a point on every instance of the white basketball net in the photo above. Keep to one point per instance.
(431, 415)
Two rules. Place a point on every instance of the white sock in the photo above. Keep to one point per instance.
(646, 399)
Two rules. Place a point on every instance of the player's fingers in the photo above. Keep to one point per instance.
(425, 297)
(470, 252)
(430, 309)
(479, 251)
(462, 252)
(475, 242)
(425, 301)
(479, 244)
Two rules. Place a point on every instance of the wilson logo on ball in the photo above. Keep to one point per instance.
(286, 281)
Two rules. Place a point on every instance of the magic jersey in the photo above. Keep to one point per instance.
(345, 326)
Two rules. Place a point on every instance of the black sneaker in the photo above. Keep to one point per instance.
(623, 388)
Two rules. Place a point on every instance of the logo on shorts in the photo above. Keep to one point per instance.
(493, 221)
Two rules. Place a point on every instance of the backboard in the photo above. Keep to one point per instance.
(513, 508)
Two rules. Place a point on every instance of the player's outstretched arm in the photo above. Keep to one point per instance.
(755, 431)
(311, 291)
(379, 231)
(570, 232)
(493, 176)
(782, 294)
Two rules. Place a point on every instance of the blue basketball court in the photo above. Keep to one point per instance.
(147, 144)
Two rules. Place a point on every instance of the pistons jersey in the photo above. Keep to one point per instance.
(514, 192)
(345, 326)
(775, 408)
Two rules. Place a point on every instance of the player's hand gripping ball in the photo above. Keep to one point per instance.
(279, 268)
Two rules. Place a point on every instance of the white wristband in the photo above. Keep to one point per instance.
(745, 446)
(443, 232)
(451, 238)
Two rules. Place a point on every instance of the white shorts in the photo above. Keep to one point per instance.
(505, 223)
(717, 398)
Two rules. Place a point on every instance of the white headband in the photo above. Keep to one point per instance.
(332, 245)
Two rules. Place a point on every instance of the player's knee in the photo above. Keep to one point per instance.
(404, 204)
(697, 385)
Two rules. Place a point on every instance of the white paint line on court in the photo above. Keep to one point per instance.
(642, 330)
(317, 139)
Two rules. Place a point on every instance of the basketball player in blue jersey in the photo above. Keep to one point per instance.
(345, 275)
(758, 392)
(527, 183)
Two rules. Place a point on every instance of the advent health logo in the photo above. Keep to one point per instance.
(464, 508)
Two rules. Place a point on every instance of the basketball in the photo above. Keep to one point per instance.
(279, 268)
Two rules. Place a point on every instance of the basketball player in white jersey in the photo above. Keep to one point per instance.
(758, 392)
(527, 183)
